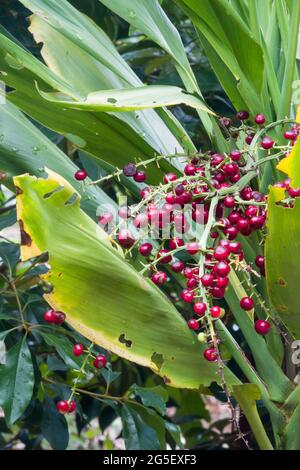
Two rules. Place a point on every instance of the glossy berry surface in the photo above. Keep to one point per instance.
(145, 249)
(260, 119)
(140, 176)
(200, 308)
(262, 327)
(80, 175)
(72, 406)
(210, 354)
(159, 278)
(130, 169)
(78, 349)
(267, 143)
(49, 316)
(193, 324)
(62, 407)
(187, 296)
(246, 303)
(100, 361)
(215, 311)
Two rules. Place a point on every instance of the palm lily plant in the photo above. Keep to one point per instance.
(222, 253)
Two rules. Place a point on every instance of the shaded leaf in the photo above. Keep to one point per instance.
(54, 426)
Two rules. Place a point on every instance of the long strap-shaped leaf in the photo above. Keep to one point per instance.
(102, 295)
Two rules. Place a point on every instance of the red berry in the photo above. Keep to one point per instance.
(233, 217)
(188, 273)
(221, 253)
(207, 280)
(200, 308)
(164, 256)
(235, 178)
(249, 138)
(229, 202)
(189, 170)
(179, 189)
(177, 266)
(175, 243)
(192, 248)
(242, 115)
(267, 143)
(230, 169)
(250, 211)
(246, 303)
(231, 232)
(260, 261)
(100, 361)
(62, 407)
(289, 135)
(215, 311)
(193, 324)
(169, 177)
(59, 318)
(192, 283)
(80, 175)
(145, 193)
(218, 292)
(222, 282)
(49, 316)
(235, 155)
(78, 349)
(125, 238)
(187, 296)
(294, 192)
(257, 221)
(170, 198)
(145, 249)
(159, 278)
(72, 406)
(262, 327)
(260, 119)
(129, 169)
(140, 176)
(105, 218)
(222, 269)
(235, 247)
(210, 354)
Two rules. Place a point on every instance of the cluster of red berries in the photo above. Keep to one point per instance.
(99, 361)
(55, 317)
(66, 407)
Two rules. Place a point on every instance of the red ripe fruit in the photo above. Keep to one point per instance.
(164, 256)
(207, 280)
(257, 221)
(242, 115)
(145, 249)
(224, 243)
(289, 135)
(222, 269)
(80, 175)
(125, 238)
(169, 177)
(210, 354)
(193, 324)
(105, 218)
(250, 211)
(78, 349)
(140, 176)
(246, 303)
(294, 192)
(260, 261)
(189, 170)
(243, 224)
(260, 119)
(145, 193)
(262, 327)
(170, 198)
(177, 266)
(222, 282)
(175, 243)
(200, 308)
(235, 247)
(59, 318)
(235, 155)
(231, 232)
(187, 296)
(188, 273)
(249, 138)
(192, 283)
(72, 406)
(215, 311)
(233, 217)
(267, 143)
(49, 316)
(229, 202)
(192, 248)
(179, 189)
(218, 292)
(221, 253)
(100, 361)
(230, 168)
(235, 178)
(159, 278)
(62, 407)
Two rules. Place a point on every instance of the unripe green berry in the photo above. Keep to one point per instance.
(202, 337)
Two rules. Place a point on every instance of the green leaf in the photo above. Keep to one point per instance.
(137, 434)
(128, 315)
(175, 433)
(54, 426)
(17, 381)
(130, 99)
(23, 148)
(247, 395)
(154, 397)
(63, 347)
